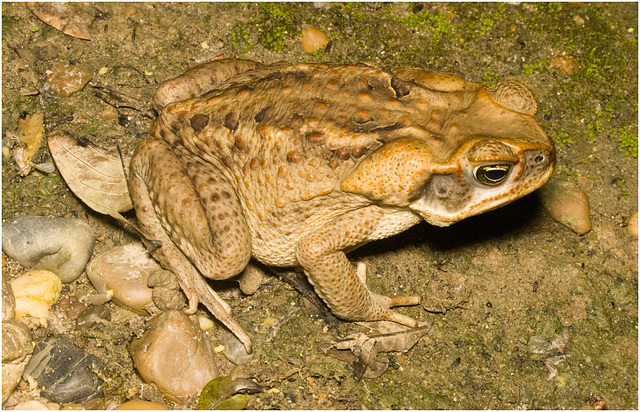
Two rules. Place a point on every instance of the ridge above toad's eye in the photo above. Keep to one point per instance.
(492, 175)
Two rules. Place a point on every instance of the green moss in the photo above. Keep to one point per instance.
(277, 23)
(562, 139)
(49, 185)
(436, 24)
(241, 39)
(628, 142)
(541, 67)
(490, 78)
(549, 8)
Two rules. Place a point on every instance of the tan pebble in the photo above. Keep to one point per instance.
(130, 10)
(31, 406)
(110, 113)
(35, 292)
(141, 405)
(124, 270)
(72, 407)
(578, 20)
(66, 79)
(314, 39)
(569, 65)
(632, 228)
(205, 323)
(568, 204)
(103, 70)
(175, 355)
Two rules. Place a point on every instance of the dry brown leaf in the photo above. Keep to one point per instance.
(360, 350)
(69, 18)
(94, 175)
(30, 132)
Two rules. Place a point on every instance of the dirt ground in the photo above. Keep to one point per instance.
(536, 316)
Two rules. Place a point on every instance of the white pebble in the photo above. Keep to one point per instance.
(35, 292)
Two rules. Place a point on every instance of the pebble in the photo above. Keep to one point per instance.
(93, 315)
(62, 245)
(65, 372)
(141, 405)
(569, 65)
(314, 39)
(125, 270)
(32, 406)
(175, 355)
(71, 306)
(35, 292)
(66, 79)
(234, 350)
(568, 204)
(16, 353)
(632, 227)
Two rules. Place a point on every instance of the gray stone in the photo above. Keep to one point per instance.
(62, 246)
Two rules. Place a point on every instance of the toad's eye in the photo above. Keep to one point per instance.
(492, 175)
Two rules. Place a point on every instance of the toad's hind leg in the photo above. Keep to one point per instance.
(192, 209)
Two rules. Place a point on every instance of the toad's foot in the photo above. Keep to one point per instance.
(221, 310)
(390, 301)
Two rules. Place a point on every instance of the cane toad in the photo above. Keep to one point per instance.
(296, 165)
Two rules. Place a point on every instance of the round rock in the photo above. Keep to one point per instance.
(16, 353)
(63, 245)
(175, 355)
(124, 270)
(65, 372)
(568, 204)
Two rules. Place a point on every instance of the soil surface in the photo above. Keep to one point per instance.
(525, 313)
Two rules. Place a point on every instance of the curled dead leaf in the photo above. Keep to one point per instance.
(69, 18)
(29, 133)
(94, 175)
(360, 350)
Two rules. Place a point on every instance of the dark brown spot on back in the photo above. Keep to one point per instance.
(343, 153)
(262, 114)
(315, 137)
(199, 122)
(294, 156)
(231, 121)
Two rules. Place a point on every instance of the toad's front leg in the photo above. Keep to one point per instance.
(335, 279)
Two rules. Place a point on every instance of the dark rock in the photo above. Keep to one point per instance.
(65, 372)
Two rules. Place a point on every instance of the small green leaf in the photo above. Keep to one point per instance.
(222, 393)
